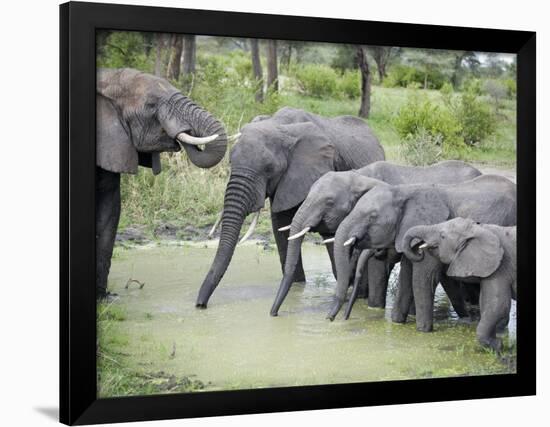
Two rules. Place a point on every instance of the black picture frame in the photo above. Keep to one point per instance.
(78, 401)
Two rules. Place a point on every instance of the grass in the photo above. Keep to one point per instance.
(183, 195)
(118, 374)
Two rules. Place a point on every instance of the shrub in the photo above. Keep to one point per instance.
(422, 148)
(421, 115)
(476, 120)
(349, 84)
(318, 81)
(511, 87)
(474, 116)
(411, 77)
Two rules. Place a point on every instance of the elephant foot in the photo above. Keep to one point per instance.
(424, 327)
(492, 343)
(299, 277)
(398, 317)
(103, 295)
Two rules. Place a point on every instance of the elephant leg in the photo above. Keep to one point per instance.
(330, 251)
(107, 216)
(404, 297)
(495, 303)
(426, 275)
(453, 290)
(377, 281)
(278, 220)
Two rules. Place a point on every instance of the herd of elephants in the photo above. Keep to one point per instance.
(446, 223)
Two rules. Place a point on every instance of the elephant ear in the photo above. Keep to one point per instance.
(422, 207)
(115, 151)
(479, 254)
(311, 156)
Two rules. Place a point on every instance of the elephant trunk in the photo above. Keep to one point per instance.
(292, 257)
(240, 199)
(418, 232)
(203, 124)
(343, 266)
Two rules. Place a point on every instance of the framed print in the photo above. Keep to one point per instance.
(267, 213)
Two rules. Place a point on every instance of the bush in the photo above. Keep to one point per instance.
(422, 148)
(476, 120)
(420, 115)
(474, 116)
(511, 87)
(318, 81)
(411, 77)
(349, 84)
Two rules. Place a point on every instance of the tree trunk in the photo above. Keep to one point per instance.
(158, 57)
(189, 54)
(175, 57)
(272, 73)
(257, 69)
(364, 110)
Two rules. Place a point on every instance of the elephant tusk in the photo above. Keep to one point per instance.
(331, 240)
(193, 140)
(300, 234)
(350, 241)
(286, 227)
(215, 226)
(251, 228)
(423, 246)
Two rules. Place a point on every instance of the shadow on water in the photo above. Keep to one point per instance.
(236, 344)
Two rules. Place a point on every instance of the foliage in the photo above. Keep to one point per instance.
(345, 58)
(319, 81)
(411, 77)
(475, 118)
(125, 49)
(420, 115)
(422, 148)
(349, 85)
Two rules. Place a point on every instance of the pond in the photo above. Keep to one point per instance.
(235, 343)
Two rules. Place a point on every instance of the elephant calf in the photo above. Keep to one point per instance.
(473, 252)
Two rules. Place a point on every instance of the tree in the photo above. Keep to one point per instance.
(189, 54)
(272, 72)
(382, 55)
(257, 69)
(363, 62)
(159, 44)
(462, 58)
(174, 63)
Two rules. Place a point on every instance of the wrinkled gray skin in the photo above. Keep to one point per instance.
(333, 196)
(473, 252)
(280, 157)
(381, 218)
(138, 117)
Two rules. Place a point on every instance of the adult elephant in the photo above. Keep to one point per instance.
(138, 117)
(333, 196)
(381, 218)
(280, 157)
(473, 252)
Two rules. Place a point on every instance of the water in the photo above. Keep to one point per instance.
(236, 344)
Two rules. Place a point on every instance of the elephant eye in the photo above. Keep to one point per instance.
(442, 235)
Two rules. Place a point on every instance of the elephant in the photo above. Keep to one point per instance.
(138, 117)
(473, 252)
(381, 218)
(333, 196)
(279, 158)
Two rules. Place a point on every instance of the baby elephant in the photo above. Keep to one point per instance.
(474, 253)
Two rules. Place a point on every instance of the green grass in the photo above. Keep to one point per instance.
(117, 372)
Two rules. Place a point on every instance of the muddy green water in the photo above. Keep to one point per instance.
(236, 344)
